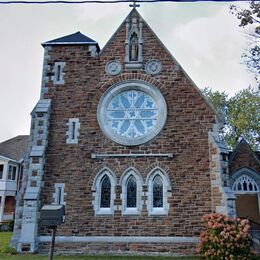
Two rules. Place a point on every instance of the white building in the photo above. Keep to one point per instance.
(11, 168)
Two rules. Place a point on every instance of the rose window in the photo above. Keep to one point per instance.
(132, 113)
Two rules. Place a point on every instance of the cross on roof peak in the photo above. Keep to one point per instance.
(134, 5)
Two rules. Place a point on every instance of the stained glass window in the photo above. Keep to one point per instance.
(105, 192)
(157, 192)
(131, 192)
(132, 114)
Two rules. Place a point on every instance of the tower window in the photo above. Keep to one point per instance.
(73, 131)
(58, 73)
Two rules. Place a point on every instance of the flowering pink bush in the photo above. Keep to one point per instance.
(225, 238)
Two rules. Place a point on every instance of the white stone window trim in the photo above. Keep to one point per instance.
(73, 131)
(139, 183)
(58, 78)
(248, 180)
(59, 194)
(96, 189)
(166, 192)
(120, 87)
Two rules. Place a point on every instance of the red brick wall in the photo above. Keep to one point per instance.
(185, 134)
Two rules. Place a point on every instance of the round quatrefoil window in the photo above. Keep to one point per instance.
(132, 113)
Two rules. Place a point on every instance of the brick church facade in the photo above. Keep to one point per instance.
(125, 140)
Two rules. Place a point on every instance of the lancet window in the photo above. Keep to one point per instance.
(158, 191)
(104, 192)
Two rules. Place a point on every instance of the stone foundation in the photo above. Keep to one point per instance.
(99, 248)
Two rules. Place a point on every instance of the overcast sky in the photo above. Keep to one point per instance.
(203, 37)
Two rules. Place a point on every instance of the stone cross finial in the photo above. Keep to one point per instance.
(134, 5)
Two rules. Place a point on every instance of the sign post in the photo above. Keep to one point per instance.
(52, 216)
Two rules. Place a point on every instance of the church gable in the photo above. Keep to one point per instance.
(243, 156)
(153, 61)
(126, 143)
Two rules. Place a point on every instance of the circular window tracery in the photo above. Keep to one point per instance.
(132, 113)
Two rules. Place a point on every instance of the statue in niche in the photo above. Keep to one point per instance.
(134, 48)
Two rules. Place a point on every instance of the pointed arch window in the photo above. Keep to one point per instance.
(131, 182)
(131, 192)
(158, 191)
(104, 192)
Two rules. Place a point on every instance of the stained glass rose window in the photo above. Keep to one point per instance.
(132, 113)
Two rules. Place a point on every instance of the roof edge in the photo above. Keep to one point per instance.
(234, 153)
(68, 43)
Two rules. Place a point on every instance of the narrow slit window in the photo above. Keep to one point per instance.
(73, 130)
(59, 195)
(58, 73)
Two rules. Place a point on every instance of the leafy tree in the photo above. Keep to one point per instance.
(250, 18)
(241, 113)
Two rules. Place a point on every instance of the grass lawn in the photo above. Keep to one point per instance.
(6, 236)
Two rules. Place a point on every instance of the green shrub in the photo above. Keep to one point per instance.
(6, 249)
(224, 238)
(10, 225)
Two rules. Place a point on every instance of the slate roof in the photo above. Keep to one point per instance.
(73, 39)
(15, 148)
